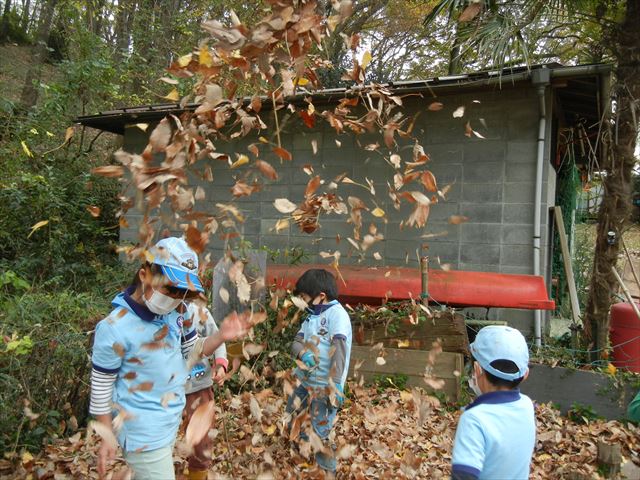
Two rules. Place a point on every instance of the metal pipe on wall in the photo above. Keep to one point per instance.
(541, 79)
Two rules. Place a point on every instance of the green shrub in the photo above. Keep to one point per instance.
(44, 363)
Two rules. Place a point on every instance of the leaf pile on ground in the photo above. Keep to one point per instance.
(389, 434)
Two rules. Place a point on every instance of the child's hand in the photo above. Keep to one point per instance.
(106, 453)
(308, 359)
(235, 326)
(219, 375)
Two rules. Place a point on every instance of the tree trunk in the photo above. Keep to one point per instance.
(24, 20)
(29, 96)
(618, 166)
(4, 27)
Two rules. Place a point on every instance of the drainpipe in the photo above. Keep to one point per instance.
(539, 78)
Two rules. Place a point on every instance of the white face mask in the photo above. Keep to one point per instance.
(473, 384)
(161, 304)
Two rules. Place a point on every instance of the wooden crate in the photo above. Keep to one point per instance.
(411, 363)
(447, 327)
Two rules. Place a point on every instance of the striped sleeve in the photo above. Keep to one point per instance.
(101, 392)
(188, 342)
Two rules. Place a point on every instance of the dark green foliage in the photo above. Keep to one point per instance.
(44, 363)
(580, 413)
(397, 381)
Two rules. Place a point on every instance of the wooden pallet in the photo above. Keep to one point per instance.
(411, 363)
(447, 327)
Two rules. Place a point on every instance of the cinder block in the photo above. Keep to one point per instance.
(517, 234)
(444, 154)
(517, 213)
(339, 156)
(522, 152)
(516, 255)
(519, 192)
(446, 174)
(521, 172)
(522, 121)
(445, 252)
(483, 172)
(481, 192)
(480, 233)
(450, 131)
(396, 251)
(440, 212)
(482, 213)
(517, 270)
(476, 267)
(479, 253)
(302, 140)
(489, 151)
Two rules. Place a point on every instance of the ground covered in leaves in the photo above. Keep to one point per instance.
(388, 434)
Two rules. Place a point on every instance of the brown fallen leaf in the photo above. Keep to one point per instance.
(200, 423)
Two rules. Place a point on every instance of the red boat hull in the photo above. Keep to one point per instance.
(372, 286)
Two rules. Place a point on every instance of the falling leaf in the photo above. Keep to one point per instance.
(141, 387)
(26, 149)
(38, 226)
(380, 361)
(267, 170)
(224, 294)
(299, 302)
(366, 59)
(457, 219)
(314, 146)
(395, 160)
(130, 375)
(377, 256)
(166, 398)
(611, 369)
(435, 106)
(109, 171)
(470, 12)
(200, 423)
(312, 186)
(242, 160)
(458, 112)
(282, 153)
(377, 212)
(161, 136)
(284, 206)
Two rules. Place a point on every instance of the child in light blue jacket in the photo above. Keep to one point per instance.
(323, 345)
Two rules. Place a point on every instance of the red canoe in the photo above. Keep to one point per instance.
(456, 288)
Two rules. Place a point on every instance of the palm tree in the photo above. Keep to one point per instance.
(500, 33)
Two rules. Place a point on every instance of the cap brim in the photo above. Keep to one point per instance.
(181, 279)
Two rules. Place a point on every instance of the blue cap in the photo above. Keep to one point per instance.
(179, 263)
(497, 342)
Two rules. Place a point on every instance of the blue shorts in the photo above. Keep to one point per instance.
(323, 416)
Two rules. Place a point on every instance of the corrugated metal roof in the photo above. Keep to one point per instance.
(581, 97)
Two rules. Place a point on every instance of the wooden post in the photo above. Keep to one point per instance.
(609, 458)
(568, 269)
(424, 271)
(626, 291)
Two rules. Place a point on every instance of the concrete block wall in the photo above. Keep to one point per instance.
(492, 178)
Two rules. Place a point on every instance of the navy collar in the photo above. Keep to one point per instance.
(321, 307)
(140, 310)
(493, 398)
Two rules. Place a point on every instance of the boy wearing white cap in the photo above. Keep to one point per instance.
(496, 432)
(139, 368)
